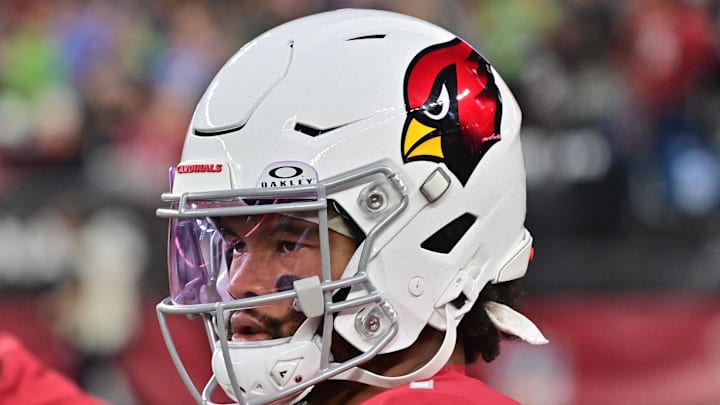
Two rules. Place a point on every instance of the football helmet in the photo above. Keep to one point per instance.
(355, 173)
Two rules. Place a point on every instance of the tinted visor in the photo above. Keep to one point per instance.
(220, 258)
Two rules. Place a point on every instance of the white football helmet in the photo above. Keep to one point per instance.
(350, 122)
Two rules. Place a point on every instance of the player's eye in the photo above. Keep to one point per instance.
(288, 246)
(234, 248)
(238, 247)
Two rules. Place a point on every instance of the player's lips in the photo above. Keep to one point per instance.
(246, 328)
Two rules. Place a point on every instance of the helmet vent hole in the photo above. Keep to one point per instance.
(445, 239)
(313, 131)
(373, 36)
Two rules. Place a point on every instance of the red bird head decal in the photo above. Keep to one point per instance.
(453, 106)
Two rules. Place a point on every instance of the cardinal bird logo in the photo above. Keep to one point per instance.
(454, 108)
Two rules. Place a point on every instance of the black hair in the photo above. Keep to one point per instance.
(478, 334)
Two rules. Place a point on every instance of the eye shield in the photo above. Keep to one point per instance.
(207, 254)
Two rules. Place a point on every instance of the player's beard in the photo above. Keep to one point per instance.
(276, 327)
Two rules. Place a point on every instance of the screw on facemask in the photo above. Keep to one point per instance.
(376, 198)
(373, 320)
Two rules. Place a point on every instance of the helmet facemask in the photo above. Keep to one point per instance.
(262, 271)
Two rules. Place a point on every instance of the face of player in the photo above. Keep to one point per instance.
(265, 254)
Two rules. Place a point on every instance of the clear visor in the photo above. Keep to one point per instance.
(226, 258)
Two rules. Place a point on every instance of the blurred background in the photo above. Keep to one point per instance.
(621, 103)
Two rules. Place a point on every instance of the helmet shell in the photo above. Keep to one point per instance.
(330, 91)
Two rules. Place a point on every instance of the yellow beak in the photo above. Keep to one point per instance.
(414, 145)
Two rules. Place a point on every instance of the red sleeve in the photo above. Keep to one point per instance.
(25, 380)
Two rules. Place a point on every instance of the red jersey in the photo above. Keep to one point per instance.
(25, 380)
(449, 386)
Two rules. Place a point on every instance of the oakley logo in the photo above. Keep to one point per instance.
(288, 174)
(285, 172)
(200, 168)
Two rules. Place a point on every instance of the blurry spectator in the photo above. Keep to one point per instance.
(39, 111)
(668, 49)
(98, 309)
(668, 59)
